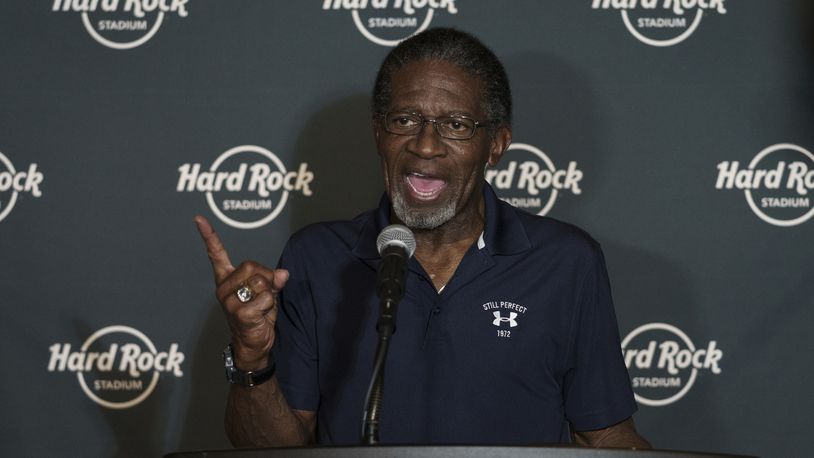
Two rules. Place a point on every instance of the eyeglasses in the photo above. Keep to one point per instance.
(452, 127)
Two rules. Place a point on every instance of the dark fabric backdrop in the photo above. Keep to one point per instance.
(649, 127)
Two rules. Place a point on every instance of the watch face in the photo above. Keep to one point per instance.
(229, 364)
(251, 378)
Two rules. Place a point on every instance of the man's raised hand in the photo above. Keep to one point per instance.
(251, 322)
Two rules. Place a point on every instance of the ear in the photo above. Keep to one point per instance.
(499, 144)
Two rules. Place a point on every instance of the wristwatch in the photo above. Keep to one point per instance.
(244, 378)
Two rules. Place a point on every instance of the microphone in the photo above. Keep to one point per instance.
(396, 245)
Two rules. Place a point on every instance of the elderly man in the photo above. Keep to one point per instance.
(506, 333)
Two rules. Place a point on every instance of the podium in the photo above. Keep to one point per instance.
(443, 451)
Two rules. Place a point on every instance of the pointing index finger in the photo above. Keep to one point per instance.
(221, 265)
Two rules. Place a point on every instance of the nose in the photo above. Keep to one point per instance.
(427, 143)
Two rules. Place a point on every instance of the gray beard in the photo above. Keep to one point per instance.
(418, 219)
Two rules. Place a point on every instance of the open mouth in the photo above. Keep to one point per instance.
(424, 187)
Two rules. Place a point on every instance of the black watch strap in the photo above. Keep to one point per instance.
(246, 378)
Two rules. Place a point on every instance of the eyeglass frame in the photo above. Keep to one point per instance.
(424, 120)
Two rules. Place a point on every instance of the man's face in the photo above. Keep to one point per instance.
(431, 180)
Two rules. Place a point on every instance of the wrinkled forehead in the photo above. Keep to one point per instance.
(441, 82)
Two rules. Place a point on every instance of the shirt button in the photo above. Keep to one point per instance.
(436, 311)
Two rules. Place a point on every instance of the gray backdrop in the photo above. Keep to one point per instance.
(670, 127)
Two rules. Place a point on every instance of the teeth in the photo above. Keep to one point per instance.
(422, 194)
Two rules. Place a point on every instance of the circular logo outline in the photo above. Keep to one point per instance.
(268, 218)
(7, 162)
(748, 192)
(663, 43)
(543, 157)
(669, 328)
(147, 391)
(117, 45)
(383, 42)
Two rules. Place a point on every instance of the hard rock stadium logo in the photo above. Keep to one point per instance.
(664, 363)
(528, 179)
(117, 367)
(124, 24)
(776, 183)
(247, 186)
(387, 22)
(661, 23)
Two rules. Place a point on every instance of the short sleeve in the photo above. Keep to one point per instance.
(597, 389)
(295, 346)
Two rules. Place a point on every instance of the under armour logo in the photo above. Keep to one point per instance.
(502, 319)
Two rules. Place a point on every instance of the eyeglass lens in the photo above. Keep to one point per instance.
(454, 127)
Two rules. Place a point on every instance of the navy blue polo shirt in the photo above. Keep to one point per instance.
(521, 342)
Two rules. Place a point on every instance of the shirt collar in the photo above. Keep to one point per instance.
(503, 232)
(379, 219)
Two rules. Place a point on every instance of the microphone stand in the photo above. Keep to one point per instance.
(373, 399)
(396, 244)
